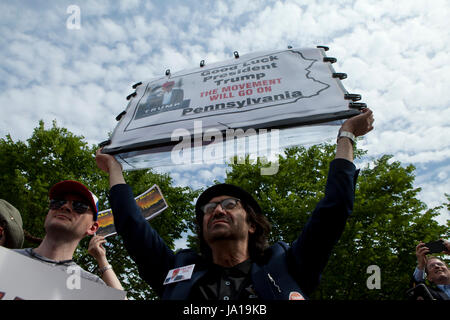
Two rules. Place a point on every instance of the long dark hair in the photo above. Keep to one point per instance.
(257, 242)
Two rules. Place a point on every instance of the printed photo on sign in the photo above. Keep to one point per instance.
(161, 97)
(151, 203)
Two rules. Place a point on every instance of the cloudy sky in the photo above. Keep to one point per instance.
(395, 54)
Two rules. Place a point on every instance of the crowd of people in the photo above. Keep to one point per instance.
(235, 261)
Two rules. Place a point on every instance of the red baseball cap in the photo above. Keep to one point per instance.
(74, 187)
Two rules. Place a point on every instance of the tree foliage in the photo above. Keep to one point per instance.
(386, 224)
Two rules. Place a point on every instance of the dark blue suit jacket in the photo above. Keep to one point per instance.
(287, 269)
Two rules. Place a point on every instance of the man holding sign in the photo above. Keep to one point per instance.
(236, 262)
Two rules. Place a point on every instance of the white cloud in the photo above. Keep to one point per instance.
(442, 176)
(129, 5)
(205, 175)
(112, 32)
(435, 184)
(96, 8)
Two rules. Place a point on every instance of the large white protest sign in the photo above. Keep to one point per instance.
(271, 89)
(22, 278)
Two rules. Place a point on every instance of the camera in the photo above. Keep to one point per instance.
(435, 246)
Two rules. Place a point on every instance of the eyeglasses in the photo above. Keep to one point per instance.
(435, 264)
(78, 206)
(226, 204)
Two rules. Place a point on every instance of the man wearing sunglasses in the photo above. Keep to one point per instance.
(72, 215)
(236, 261)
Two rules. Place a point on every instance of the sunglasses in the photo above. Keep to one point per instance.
(78, 206)
(226, 204)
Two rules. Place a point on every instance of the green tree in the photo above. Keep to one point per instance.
(386, 224)
(28, 170)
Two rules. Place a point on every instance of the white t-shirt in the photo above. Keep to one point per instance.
(62, 265)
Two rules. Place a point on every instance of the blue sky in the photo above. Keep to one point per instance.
(395, 54)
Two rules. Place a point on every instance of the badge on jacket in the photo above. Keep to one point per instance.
(179, 274)
(294, 295)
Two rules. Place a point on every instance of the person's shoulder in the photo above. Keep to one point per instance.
(278, 249)
(279, 245)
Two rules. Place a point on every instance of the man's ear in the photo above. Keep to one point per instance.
(93, 229)
(252, 229)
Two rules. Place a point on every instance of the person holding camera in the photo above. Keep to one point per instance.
(433, 269)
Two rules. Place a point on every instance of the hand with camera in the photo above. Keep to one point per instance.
(421, 254)
(422, 249)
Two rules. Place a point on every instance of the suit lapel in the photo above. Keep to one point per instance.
(261, 284)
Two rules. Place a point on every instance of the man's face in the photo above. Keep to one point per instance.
(438, 272)
(222, 224)
(67, 222)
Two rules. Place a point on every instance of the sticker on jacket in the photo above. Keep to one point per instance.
(179, 274)
(294, 295)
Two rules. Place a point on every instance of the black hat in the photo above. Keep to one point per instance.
(225, 189)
